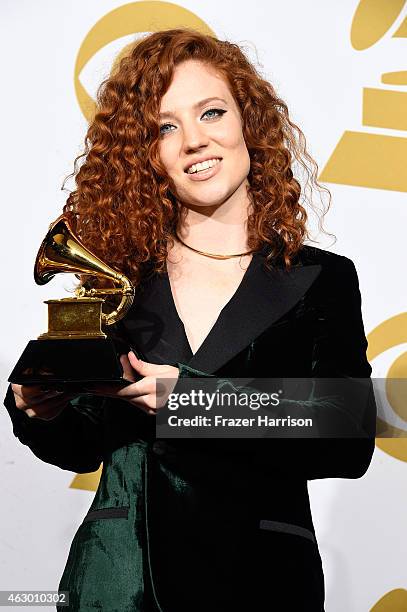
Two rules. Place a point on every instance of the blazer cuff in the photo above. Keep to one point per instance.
(26, 428)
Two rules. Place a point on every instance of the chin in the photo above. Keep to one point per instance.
(207, 198)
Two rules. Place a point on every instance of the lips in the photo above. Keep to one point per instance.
(200, 161)
(205, 175)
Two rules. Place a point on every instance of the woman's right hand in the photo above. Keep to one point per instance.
(40, 403)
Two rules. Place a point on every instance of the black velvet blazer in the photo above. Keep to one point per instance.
(215, 525)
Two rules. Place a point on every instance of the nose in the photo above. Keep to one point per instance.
(194, 137)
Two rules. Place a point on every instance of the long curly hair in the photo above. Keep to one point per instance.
(124, 207)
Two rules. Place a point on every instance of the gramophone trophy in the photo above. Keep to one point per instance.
(75, 350)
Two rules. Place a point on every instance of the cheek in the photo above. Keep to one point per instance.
(233, 140)
(167, 155)
(236, 144)
(231, 136)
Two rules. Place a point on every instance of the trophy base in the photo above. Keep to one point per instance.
(63, 335)
(67, 363)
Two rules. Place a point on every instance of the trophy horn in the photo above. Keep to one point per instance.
(62, 251)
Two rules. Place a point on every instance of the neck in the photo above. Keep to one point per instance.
(220, 229)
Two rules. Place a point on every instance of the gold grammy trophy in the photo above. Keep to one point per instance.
(76, 349)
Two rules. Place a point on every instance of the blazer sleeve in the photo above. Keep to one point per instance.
(339, 353)
(73, 440)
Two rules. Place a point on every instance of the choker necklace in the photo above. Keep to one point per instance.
(213, 255)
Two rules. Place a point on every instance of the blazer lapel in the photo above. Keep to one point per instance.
(262, 298)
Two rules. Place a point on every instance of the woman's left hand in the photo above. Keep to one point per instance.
(144, 393)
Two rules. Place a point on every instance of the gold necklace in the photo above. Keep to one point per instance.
(213, 255)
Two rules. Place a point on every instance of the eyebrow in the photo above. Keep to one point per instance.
(197, 105)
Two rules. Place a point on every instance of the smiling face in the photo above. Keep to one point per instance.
(200, 120)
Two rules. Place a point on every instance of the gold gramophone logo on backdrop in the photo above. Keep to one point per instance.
(373, 158)
(391, 423)
(133, 18)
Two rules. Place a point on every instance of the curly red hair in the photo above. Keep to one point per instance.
(123, 207)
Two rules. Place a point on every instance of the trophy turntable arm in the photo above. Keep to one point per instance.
(73, 440)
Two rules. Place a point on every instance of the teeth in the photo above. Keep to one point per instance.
(209, 163)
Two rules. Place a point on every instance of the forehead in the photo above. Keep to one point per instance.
(194, 81)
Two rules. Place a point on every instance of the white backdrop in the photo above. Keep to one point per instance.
(306, 52)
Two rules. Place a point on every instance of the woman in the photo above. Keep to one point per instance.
(187, 187)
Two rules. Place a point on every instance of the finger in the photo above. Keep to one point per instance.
(128, 372)
(165, 386)
(23, 402)
(142, 367)
(144, 403)
(16, 389)
(29, 391)
(52, 400)
(145, 386)
(48, 408)
(50, 415)
(132, 358)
